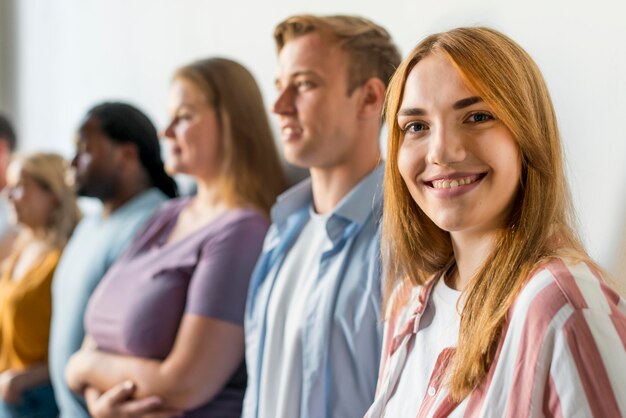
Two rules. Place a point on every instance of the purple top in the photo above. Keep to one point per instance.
(137, 307)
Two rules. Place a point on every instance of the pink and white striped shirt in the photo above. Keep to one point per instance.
(562, 353)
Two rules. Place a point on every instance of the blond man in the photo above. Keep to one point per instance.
(313, 320)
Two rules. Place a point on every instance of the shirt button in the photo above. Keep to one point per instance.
(432, 391)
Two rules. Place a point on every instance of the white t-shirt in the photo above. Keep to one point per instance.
(281, 371)
(438, 329)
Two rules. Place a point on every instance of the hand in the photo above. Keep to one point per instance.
(117, 402)
(10, 389)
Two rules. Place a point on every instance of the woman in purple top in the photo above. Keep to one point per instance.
(165, 325)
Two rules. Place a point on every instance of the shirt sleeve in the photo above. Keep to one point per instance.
(219, 284)
(586, 375)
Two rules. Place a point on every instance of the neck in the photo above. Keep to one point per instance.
(470, 254)
(208, 194)
(332, 184)
(208, 203)
(126, 193)
(33, 235)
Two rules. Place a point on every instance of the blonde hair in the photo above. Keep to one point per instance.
(250, 171)
(50, 171)
(369, 46)
(541, 225)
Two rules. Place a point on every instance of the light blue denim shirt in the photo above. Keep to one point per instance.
(343, 332)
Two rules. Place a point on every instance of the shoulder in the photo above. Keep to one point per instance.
(82, 237)
(577, 285)
(50, 262)
(87, 223)
(558, 292)
(292, 201)
(242, 230)
(170, 207)
(241, 224)
(147, 220)
(246, 217)
(52, 257)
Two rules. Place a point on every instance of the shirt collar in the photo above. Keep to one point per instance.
(366, 196)
(410, 325)
(355, 207)
(290, 202)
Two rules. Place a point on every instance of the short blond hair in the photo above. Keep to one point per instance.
(370, 49)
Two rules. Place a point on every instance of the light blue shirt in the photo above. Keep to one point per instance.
(343, 331)
(5, 216)
(94, 246)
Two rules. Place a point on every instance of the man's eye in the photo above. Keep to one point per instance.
(479, 117)
(304, 84)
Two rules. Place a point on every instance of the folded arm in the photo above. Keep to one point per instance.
(205, 355)
(14, 382)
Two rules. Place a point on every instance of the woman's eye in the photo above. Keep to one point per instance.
(480, 117)
(414, 127)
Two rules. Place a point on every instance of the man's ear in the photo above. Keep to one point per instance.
(128, 152)
(372, 98)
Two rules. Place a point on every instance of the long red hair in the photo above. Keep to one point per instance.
(541, 225)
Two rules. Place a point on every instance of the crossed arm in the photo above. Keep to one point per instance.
(205, 355)
(14, 382)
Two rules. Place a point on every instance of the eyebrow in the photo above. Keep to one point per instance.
(294, 75)
(182, 106)
(461, 104)
(412, 111)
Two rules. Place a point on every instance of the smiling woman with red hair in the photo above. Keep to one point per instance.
(493, 306)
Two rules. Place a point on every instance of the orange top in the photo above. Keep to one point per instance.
(25, 310)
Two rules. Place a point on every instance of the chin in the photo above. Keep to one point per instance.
(177, 164)
(173, 170)
(296, 160)
(449, 225)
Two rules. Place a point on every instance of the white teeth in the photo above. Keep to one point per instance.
(449, 184)
(290, 131)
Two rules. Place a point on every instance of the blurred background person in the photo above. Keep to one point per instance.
(45, 209)
(118, 161)
(168, 316)
(8, 143)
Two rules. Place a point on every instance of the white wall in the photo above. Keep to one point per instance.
(7, 58)
(73, 53)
